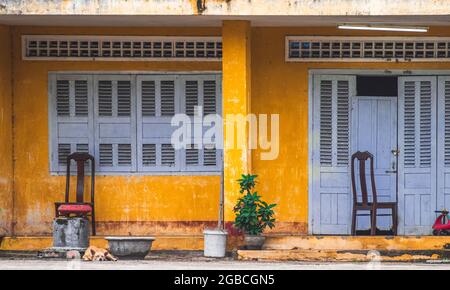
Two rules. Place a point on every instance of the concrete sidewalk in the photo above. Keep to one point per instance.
(34, 264)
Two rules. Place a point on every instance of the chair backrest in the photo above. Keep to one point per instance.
(362, 157)
(80, 159)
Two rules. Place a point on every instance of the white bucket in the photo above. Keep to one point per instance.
(215, 243)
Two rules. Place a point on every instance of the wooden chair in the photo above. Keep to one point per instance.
(366, 204)
(79, 208)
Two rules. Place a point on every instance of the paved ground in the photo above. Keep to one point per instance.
(34, 264)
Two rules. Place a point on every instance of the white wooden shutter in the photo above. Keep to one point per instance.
(115, 123)
(201, 91)
(417, 160)
(443, 195)
(331, 143)
(158, 100)
(71, 112)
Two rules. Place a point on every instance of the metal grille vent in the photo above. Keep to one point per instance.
(69, 47)
(367, 49)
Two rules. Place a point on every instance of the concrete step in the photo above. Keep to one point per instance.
(162, 242)
(339, 256)
(358, 243)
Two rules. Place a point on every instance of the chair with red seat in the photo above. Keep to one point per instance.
(80, 208)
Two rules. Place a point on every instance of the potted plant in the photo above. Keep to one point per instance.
(253, 215)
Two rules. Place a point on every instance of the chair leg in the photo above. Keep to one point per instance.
(354, 222)
(394, 220)
(94, 232)
(373, 226)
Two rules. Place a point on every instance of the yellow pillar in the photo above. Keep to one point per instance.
(236, 69)
(6, 161)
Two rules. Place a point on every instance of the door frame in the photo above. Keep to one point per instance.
(351, 72)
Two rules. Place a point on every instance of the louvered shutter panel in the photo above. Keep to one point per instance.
(201, 91)
(158, 99)
(71, 119)
(331, 183)
(417, 160)
(115, 123)
(443, 195)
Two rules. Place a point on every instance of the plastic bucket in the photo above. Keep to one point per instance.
(215, 243)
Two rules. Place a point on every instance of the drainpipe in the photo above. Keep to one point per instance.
(221, 224)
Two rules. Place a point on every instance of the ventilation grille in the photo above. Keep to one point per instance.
(124, 152)
(167, 155)
(447, 122)
(367, 49)
(63, 152)
(149, 154)
(167, 98)
(81, 98)
(191, 97)
(106, 155)
(209, 97)
(63, 98)
(105, 98)
(425, 123)
(192, 155)
(123, 98)
(49, 47)
(82, 148)
(342, 123)
(326, 93)
(148, 98)
(209, 156)
(410, 124)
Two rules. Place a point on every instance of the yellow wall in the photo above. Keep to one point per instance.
(6, 165)
(183, 205)
(136, 205)
(281, 87)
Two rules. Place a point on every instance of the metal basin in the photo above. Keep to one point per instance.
(130, 247)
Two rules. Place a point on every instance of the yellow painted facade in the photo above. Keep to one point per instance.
(6, 165)
(282, 87)
(256, 78)
(137, 205)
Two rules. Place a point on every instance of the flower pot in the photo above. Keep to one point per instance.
(215, 243)
(130, 247)
(254, 242)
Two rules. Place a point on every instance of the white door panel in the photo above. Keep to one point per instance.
(374, 129)
(417, 162)
(331, 138)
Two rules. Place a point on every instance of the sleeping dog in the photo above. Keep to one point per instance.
(97, 254)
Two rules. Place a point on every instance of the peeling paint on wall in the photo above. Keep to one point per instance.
(6, 166)
(228, 7)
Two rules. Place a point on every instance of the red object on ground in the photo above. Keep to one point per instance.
(442, 224)
(81, 209)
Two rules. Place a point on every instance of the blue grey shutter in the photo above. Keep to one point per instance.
(443, 195)
(115, 123)
(71, 118)
(417, 160)
(158, 99)
(331, 185)
(202, 91)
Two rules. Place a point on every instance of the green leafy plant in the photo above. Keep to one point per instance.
(253, 215)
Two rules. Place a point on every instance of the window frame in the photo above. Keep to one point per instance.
(53, 76)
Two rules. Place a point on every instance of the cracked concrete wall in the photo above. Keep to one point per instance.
(225, 7)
